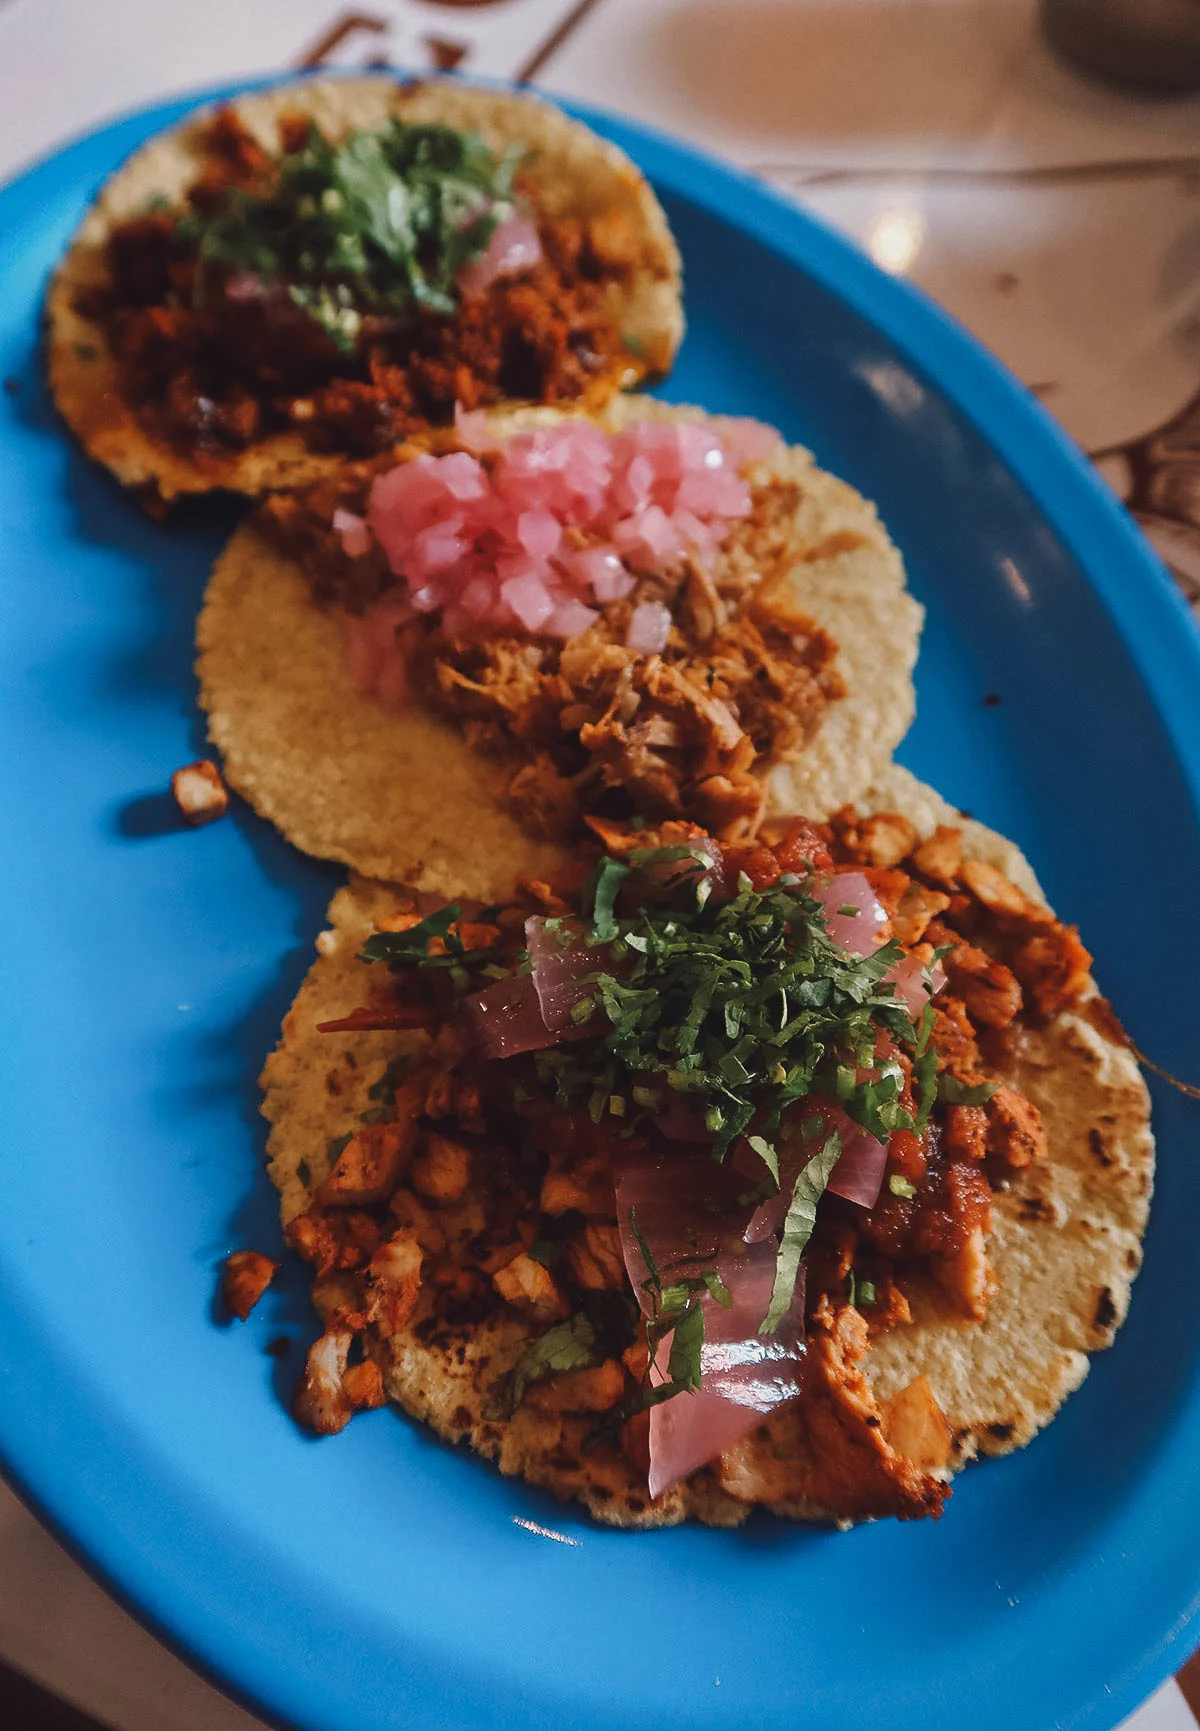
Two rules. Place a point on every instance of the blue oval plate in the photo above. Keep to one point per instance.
(381, 1579)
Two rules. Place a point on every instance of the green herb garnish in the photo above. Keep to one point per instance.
(567, 1346)
(383, 1091)
(675, 1312)
(797, 1229)
(547, 1251)
(401, 950)
(957, 1093)
(380, 223)
(744, 1006)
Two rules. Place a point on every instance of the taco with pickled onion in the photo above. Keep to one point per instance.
(791, 1174)
(437, 669)
(313, 272)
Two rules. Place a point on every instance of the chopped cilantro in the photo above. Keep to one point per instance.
(797, 1229)
(601, 892)
(381, 222)
(547, 1251)
(412, 948)
(746, 1007)
(403, 949)
(866, 1292)
(925, 1070)
(567, 1346)
(766, 1152)
(957, 1093)
(384, 1087)
(383, 1091)
(687, 1342)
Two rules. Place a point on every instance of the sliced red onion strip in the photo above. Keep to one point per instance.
(514, 246)
(858, 1173)
(506, 1018)
(356, 537)
(705, 863)
(649, 628)
(857, 932)
(907, 979)
(562, 961)
(688, 1212)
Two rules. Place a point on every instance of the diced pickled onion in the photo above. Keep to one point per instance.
(858, 1172)
(356, 537)
(570, 619)
(488, 546)
(649, 628)
(858, 929)
(529, 599)
(513, 247)
(907, 979)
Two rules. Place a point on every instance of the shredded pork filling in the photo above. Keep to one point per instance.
(471, 1195)
(591, 727)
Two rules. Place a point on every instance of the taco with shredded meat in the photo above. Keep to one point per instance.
(793, 1173)
(313, 272)
(438, 669)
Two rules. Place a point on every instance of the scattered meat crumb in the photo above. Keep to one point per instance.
(245, 1276)
(199, 792)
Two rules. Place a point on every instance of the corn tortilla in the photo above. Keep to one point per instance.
(577, 174)
(404, 798)
(1065, 1242)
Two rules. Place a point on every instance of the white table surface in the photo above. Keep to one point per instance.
(1058, 220)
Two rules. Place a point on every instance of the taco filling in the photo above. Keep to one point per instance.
(351, 290)
(650, 1162)
(610, 610)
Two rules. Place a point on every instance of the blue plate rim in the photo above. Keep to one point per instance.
(1155, 624)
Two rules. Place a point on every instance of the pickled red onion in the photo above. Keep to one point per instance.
(857, 931)
(649, 628)
(907, 979)
(356, 537)
(513, 247)
(561, 962)
(688, 1212)
(564, 519)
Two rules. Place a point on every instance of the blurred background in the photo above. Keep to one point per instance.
(1053, 211)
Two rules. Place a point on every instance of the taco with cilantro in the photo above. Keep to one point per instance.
(437, 669)
(313, 272)
(793, 1173)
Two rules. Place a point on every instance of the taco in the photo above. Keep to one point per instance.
(437, 670)
(932, 1169)
(317, 270)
